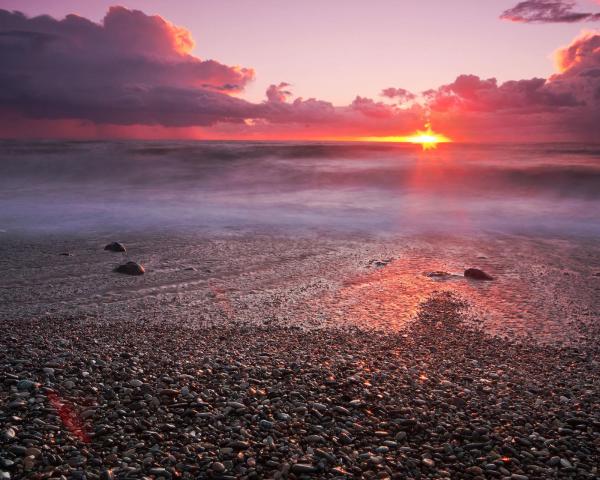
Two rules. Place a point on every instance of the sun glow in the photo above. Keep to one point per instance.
(428, 139)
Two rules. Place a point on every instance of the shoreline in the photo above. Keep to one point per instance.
(545, 288)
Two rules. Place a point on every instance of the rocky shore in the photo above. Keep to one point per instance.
(101, 399)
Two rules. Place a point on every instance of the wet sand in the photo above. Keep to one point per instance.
(546, 288)
(269, 355)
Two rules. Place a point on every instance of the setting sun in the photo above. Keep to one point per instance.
(427, 138)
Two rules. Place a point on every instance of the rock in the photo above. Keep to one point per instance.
(303, 468)
(77, 461)
(107, 475)
(475, 470)
(17, 450)
(25, 385)
(33, 452)
(265, 425)
(314, 439)
(341, 410)
(29, 462)
(160, 472)
(115, 247)
(564, 463)
(135, 383)
(66, 254)
(239, 445)
(169, 392)
(477, 274)
(218, 467)
(130, 268)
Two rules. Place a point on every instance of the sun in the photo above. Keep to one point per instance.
(428, 139)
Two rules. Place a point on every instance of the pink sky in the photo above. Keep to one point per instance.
(341, 53)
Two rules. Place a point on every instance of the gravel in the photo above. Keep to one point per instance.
(437, 399)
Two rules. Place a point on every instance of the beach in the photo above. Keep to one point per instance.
(252, 355)
(307, 338)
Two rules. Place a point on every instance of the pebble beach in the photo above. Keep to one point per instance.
(131, 386)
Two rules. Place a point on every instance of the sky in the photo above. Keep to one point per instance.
(336, 57)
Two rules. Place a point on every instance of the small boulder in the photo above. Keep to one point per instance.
(115, 247)
(477, 274)
(130, 268)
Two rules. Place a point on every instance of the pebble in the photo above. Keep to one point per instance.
(130, 268)
(115, 247)
(477, 274)
(439, 400)
(303, 468)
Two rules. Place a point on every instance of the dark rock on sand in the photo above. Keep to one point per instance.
(130, 268)
(115, 247)
(477, 274)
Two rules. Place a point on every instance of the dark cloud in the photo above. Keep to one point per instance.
(547, 11)
(130, 69)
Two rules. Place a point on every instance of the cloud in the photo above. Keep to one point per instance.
(130, 69)
(278, 93)
(582, 53)
(371, 108)
(547, 11)
(471, 93)
(565, 106)
(134, 75)
(400, 94)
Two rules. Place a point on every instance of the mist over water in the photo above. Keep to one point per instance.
(79, 186)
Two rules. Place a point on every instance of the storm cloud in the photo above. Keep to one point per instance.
(130, 69)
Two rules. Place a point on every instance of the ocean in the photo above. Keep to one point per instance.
(75, 186)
